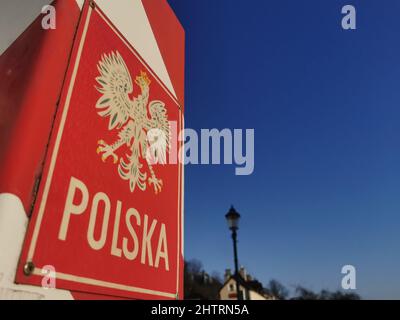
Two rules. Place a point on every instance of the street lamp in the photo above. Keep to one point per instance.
(232, 217)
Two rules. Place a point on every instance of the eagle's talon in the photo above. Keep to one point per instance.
(157, 183)
(107, 151)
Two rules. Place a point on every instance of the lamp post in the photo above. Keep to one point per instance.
(232, 217)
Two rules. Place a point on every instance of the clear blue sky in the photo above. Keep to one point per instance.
(325, 106)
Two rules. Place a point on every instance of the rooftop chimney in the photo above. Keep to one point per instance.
(228, 274)
(242, 272)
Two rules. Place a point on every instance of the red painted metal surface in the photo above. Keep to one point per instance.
(95, 266)
(32, 71)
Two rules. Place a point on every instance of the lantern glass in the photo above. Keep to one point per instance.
(232, 218)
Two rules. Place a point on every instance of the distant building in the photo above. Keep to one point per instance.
(250, 288)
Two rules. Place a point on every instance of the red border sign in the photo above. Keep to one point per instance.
(106, 219)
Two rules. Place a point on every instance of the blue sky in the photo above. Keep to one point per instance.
(324, 104)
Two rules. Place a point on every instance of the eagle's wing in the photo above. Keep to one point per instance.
(115, 85)
(158, 130)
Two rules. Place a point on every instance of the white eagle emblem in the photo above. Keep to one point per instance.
(146, 137)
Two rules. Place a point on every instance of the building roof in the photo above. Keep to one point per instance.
(252, 285)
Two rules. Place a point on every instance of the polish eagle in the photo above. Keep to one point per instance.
(143, 126)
